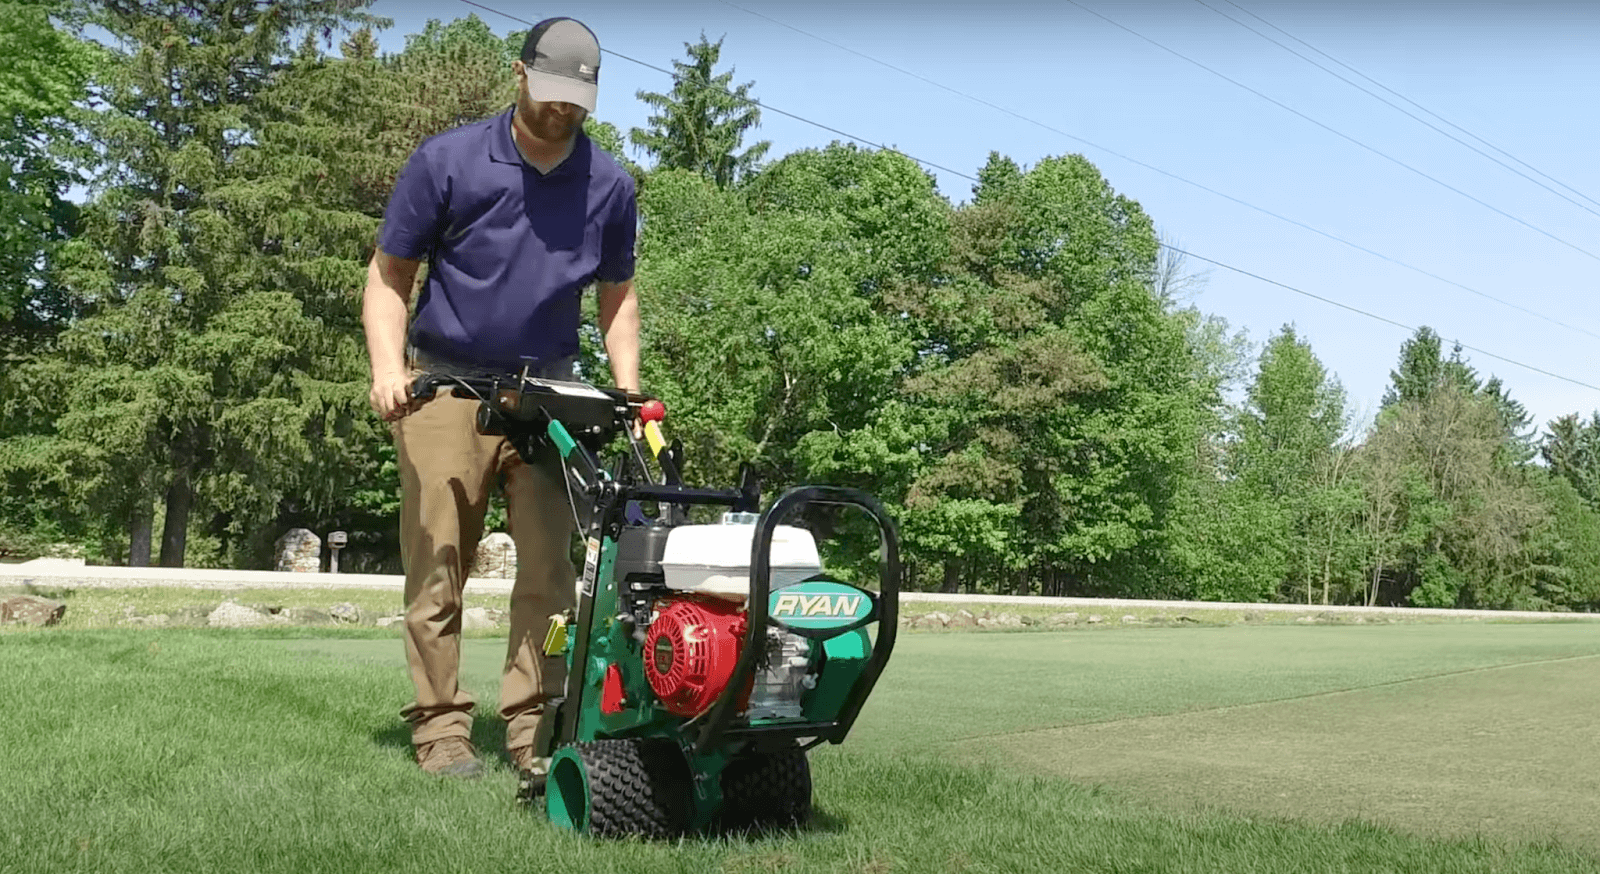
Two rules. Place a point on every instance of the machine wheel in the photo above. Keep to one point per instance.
(614, 788)
(766, 788)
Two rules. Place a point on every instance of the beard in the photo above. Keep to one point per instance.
(546, 123)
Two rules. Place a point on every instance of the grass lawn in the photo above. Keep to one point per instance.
(1230, 749)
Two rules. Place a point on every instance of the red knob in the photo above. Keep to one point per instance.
(653, 411)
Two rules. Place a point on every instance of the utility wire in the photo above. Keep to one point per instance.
(756, 103)
(1315, 230)
(1402, 110)
(1375, 316)
(1384, 87)
(971, 178)
(1335, 131)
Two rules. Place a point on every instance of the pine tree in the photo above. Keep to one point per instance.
(701, 123)
(200, 366)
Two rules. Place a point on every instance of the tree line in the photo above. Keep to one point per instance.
(1018, 376)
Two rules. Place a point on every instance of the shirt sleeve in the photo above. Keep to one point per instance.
(618, 240)
(416, 209)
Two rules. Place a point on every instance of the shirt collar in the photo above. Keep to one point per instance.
(503, 150)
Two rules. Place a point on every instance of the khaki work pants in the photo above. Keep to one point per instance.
(447, 470)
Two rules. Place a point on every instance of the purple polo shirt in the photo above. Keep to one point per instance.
(509, 249)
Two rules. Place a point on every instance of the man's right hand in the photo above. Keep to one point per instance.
(391, 396)
(383, 314)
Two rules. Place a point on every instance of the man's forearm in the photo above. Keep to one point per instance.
(384, 308)
(619, 324)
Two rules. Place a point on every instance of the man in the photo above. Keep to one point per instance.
(515, 216)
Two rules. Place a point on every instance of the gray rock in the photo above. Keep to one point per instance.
(477, 619)
(1130, 620)
(160, 620)
(387, 621)
(496, 558)
(31, 610)
(309, 616)
(230, 614)
(1008, 620)
(1030, 620)
(298, 551)
(1307, 619)
(347, 613)
(1096, 619)
(1061, 619)
(191, 615)
(962, 619)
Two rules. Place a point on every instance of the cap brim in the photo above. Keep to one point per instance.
(551, 88)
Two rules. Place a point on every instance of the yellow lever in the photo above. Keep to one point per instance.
(555, 640)
(652, 435)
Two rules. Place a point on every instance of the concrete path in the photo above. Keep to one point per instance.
(58, 574)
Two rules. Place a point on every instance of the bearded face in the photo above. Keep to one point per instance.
(551, 121)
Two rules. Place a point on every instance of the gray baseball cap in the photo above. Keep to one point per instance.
(563, 60)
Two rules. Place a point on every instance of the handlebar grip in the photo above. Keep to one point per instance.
(425, 387)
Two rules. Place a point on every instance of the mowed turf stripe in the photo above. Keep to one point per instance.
(942, 687)
(1287, 700)
(181, 752)
(1505, 752)
(1003, 700)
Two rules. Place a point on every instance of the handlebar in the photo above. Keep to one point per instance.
(520, 398)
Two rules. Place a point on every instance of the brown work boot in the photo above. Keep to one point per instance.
(531, 772)
(450, 757)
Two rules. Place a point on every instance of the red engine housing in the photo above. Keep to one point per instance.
(690, 652)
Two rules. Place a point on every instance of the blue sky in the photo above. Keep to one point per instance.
(1525, 76)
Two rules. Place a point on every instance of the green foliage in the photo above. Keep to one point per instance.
(214, 363)
(1018, 378)
(43, 72)
(1423, 369)
(701, 123)
(1568, 549)
(1571, 448)
(1289, 454)
(1478, 510)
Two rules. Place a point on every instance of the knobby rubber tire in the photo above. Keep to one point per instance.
(637, 787)
(766, 789)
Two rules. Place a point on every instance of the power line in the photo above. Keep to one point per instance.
(1335, 131)
(1170, 175)
(971, 178)
(1413, 102)
(1375, 316)
(1402, 110)
(756, 103)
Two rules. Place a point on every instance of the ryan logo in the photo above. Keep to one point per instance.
(820, 604)
(791, 606)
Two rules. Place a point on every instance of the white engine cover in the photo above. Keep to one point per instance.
(715, 559)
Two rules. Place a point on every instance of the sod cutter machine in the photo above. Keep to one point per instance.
(704, 660)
